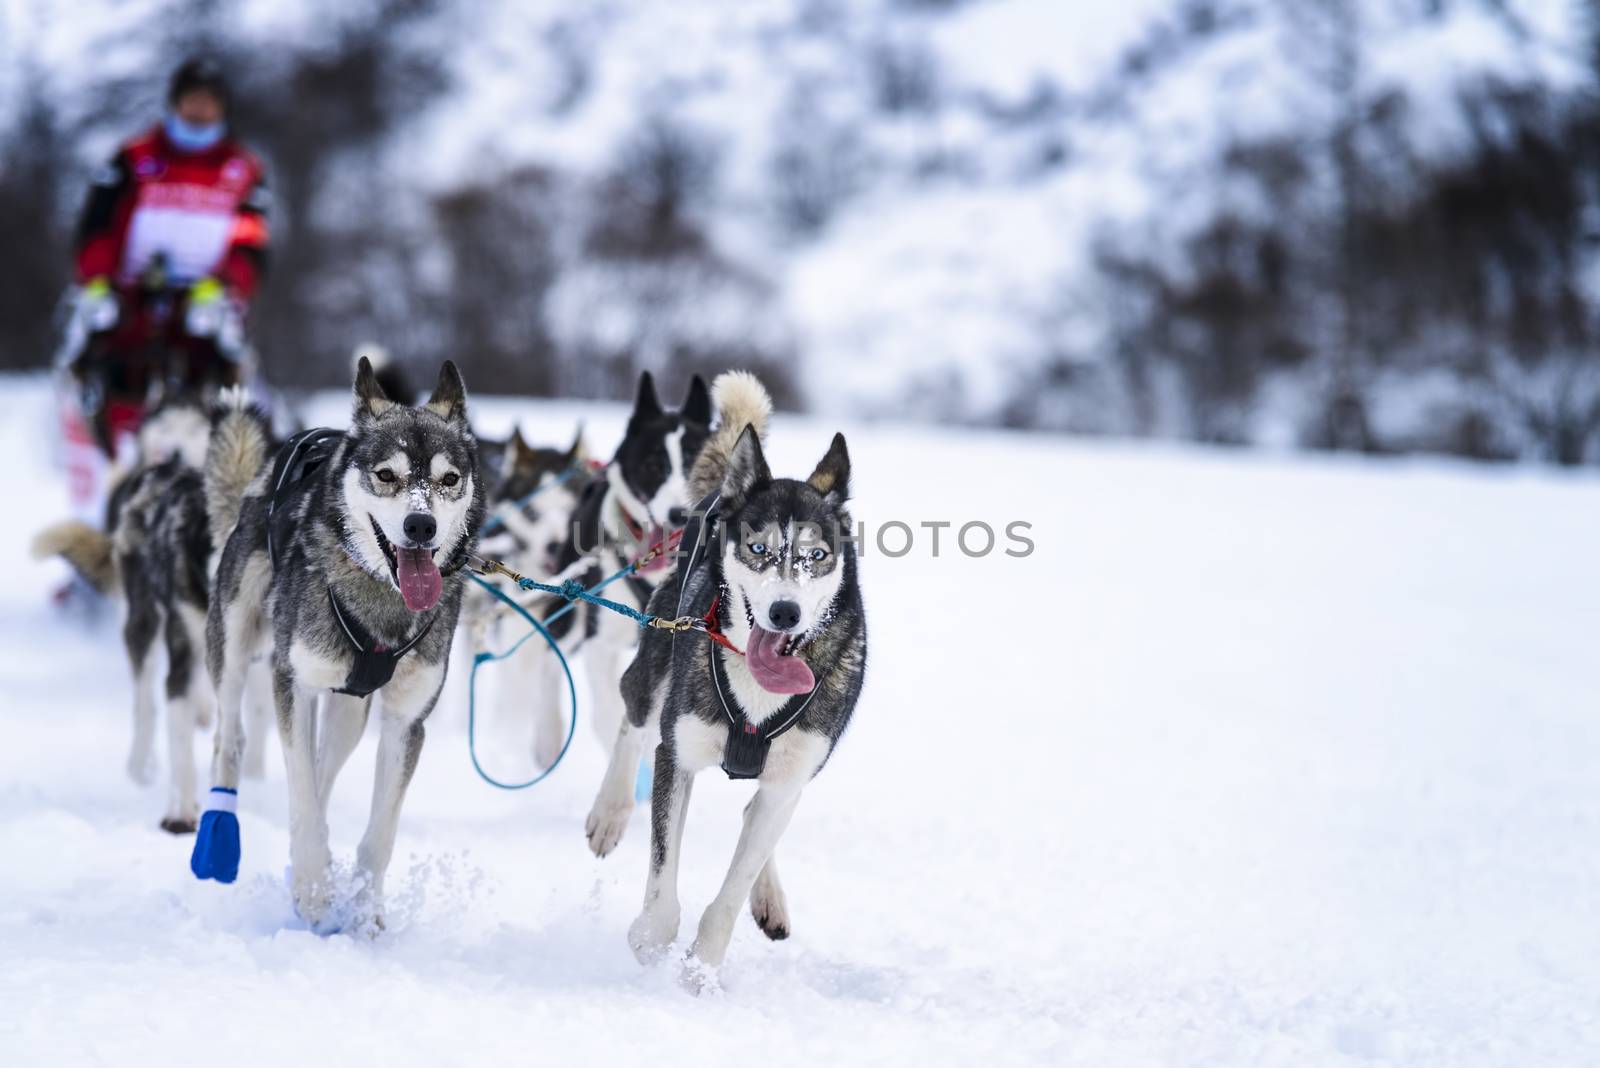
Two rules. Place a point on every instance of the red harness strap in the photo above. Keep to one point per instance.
(714, 632)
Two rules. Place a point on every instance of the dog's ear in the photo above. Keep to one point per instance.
(449, 400)
(832, 476)
(697, 405)
(371, 400)
(577, 451)
(747, 468)
(645, 404)
(516, 446)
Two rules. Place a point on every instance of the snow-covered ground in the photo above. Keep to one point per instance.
(1253, 761)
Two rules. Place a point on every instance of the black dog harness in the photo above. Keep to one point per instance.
(301, 455)
(745, 755)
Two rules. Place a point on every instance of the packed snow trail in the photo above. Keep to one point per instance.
(1253, 760)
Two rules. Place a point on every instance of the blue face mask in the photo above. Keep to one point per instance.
(187, 137)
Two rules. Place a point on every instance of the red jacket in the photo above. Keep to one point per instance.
(206, 211)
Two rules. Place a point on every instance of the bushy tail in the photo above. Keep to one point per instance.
(740, 400)
(241, 444)
(88, 551)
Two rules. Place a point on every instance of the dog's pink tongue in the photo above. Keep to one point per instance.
(775, 673)
(420, 582)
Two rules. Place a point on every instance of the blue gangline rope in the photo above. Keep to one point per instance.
(493, 524)
(479, 659)
(573, 592)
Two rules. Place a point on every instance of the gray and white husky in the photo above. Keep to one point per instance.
(773, 566)
(346, 565)
(155, 550)
(639, 500)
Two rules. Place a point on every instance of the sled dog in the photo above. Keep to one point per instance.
(639, 499)
(345, 564)
(155, 551)
(772, 570)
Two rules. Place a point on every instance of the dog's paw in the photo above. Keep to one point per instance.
(650, 934)
(697, 977)
(179, 824)
(770, 910)
(312, 891)
(606, 824)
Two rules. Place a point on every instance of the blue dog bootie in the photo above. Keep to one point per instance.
(216, 843)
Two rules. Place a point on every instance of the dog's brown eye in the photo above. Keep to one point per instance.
(450, 478)
(384, 474)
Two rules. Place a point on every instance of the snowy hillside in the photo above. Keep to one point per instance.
(1253, 761)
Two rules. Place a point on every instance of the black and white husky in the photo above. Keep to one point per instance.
(773, 567)
(532, 492)
(635, 504)
(346, 564)
(155, 551)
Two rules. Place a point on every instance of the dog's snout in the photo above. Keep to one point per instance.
(420, 528)
(677, 516)
(785, 615)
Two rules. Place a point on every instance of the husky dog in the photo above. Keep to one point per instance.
(772, 569)
(635, 504)
(346, 563)
(536, 490)
(155, 550)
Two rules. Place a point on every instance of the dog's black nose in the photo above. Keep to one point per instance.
(420, 528)
(677, 516)
(784, 614)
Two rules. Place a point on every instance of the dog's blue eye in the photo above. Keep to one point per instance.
(385, 475)
(758, 548)
(819, 553)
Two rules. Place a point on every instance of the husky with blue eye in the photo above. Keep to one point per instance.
(772, 569)
(344, 562)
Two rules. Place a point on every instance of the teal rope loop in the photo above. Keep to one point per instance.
(573, 592)
(480, 659)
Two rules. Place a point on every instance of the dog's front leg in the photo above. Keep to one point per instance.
(603, 662)
(765, 819)
(657, 924)
(613, 804)
(539, 673)
(343, 718)
(399, 748)
(309, 857)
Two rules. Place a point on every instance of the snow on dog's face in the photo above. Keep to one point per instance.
(411, 491)
(784, 559)
(650, 471)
